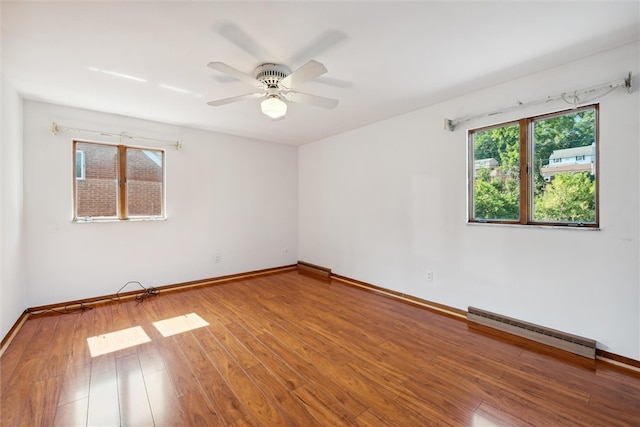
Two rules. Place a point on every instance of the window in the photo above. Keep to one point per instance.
(527, 171)
(117, 182)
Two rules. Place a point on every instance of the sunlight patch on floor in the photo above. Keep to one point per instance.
(480, 421)
(180, 324)
(114, 341)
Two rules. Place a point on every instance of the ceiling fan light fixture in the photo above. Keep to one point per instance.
(274, 107)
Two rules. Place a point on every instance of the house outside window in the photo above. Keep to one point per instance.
(567, 160)
(118, 182)
(538, 170)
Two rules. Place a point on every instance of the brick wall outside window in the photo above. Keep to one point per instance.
(97, 193)
(144, 184)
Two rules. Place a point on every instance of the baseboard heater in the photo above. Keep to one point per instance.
(572, 343)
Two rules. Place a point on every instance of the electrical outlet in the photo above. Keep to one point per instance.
(430, 276)
(218, 258)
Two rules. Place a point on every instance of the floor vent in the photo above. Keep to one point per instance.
(578, 345)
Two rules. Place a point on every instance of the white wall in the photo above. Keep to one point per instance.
(12, 270)
(224, 194)
(388, 202)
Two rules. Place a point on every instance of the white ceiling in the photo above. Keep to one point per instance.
(384, 58)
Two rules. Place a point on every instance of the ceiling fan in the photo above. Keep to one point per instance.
(275, 83)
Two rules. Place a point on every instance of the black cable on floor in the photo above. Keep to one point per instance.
(81, 307)
(148, 292)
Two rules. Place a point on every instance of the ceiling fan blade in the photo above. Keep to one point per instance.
(317, 46)
(308, 71)
(236, 74)
(305, 98)
(239, 98)
(241, 39)
(333, 82)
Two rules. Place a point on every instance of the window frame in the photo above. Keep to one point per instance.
(121, 187)
(526, 183)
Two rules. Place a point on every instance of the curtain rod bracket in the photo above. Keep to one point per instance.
(628, 83)
(449, 125)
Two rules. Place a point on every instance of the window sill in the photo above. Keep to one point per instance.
(543, 227)
(101, 220)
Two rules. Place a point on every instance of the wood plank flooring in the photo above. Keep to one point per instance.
(291, 350)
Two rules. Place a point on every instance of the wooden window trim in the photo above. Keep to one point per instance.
(122, 193)
(526, 171)
(122, 182)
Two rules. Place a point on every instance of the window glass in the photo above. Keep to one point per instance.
(564, 159)
(97, 194)
(496, 173)
(144, 182)
(79, 164)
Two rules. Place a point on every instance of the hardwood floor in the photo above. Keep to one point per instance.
(291, 350)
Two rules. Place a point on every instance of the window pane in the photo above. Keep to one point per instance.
(564, 162)
(496, 173)
(144, 182)
(79, 164)
(96, 194)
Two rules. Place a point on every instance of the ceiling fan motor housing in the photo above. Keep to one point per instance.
(271, 74)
